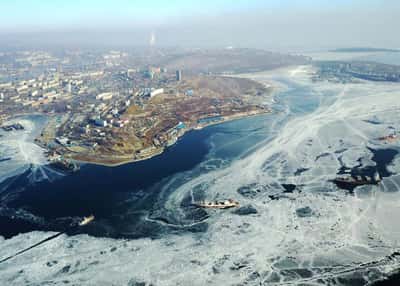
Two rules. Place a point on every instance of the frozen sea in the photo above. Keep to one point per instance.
(294, 226)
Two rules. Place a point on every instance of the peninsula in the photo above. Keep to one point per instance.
(114, 107)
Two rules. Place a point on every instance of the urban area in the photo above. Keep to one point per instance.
(112, 107)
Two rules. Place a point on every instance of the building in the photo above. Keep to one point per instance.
(50, 95)
(114, 111)
(180, 126)
(189, 92)
(104, 96)
(155, 92)
(63, 141)
(34, 93)
(131, 72)
(100, 107)
(68, 87)
(6, 85)
(155, 70)
(148, 74)
(178, 75)
(100, 122)
(22, 89)
(119, 123)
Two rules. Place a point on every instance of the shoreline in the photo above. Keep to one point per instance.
(119, 160)
(160, 151)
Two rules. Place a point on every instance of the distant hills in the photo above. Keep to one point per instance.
(363, 50)
(358, 69)
(229, 61)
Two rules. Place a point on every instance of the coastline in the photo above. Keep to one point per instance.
(160, 151)
(115, 160)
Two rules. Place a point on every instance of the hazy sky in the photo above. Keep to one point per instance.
(259, 23)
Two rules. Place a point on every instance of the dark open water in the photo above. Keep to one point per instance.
(121, 198)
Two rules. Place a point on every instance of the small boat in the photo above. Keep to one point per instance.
(217, 204)
(86, 220)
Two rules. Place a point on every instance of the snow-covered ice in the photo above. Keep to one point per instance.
(315, 235)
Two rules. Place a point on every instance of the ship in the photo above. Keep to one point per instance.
(7, 128)
(16, 126)
(217, 204)
(389, 138)
(354, 181)
(86, 220)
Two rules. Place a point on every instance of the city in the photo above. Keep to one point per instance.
(102, 109)
(212, 142)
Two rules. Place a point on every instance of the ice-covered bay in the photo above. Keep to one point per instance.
(314, 235)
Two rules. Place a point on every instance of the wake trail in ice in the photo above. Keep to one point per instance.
(31, 247)
(316, 234)
(343, 222)
(24, 154)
